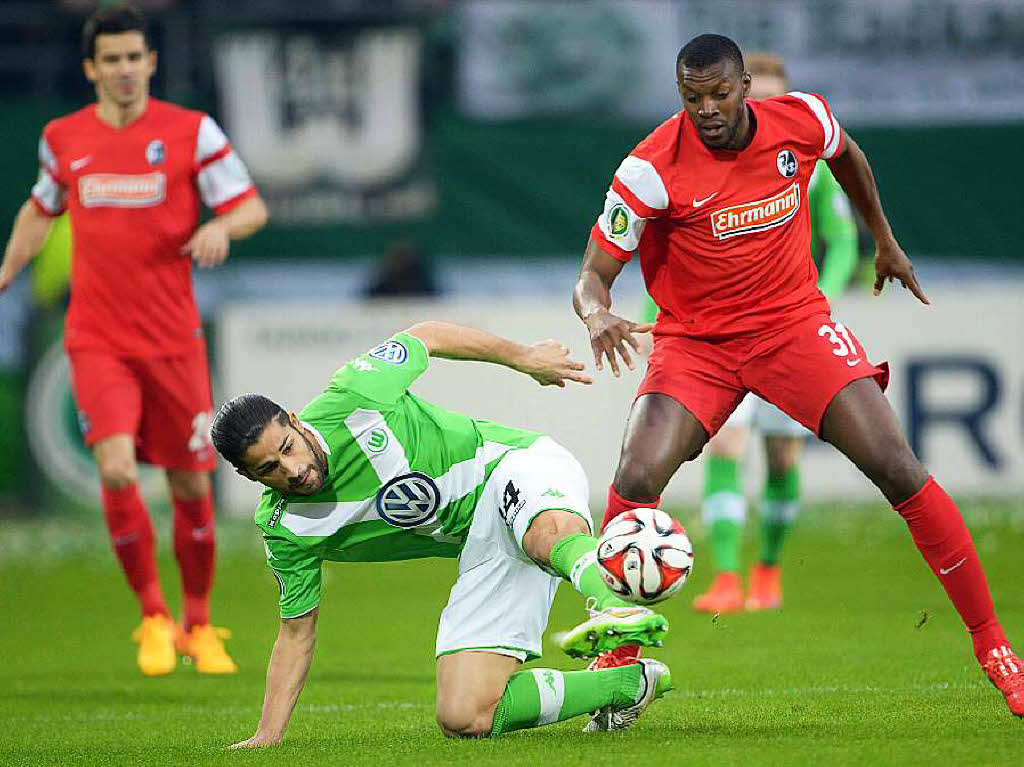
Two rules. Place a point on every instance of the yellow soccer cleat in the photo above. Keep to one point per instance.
(204, 645)
(156, 645)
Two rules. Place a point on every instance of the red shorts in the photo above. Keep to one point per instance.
(799, 369)
(164, 402)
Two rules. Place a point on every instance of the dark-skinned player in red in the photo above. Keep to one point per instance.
(714, 201)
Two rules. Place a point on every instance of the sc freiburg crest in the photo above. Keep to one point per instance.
(786, 162)
(408, 500)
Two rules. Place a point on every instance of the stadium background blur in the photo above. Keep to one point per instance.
(472, 143)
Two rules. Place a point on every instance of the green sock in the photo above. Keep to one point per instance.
(778, 510)
(724, 511)
(543, 696)
(575, 559)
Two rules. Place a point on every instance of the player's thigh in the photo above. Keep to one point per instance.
(801, 368)
(469, 685)
(108, 395)
(862, 425)
(177, 409)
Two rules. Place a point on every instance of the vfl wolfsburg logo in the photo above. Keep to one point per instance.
(377, 442)
(391, 352)
(618, 220)
(408, 500)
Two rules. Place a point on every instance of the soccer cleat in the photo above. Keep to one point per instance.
(612, 627)
(156, 645)
(655, 681)
(764, 588)
(724, 596)
(1005, 670)
(623, 655)
(204, 645)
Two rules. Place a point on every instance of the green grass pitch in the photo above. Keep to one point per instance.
(866, 665)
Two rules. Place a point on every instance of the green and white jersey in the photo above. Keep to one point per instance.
(404, 476)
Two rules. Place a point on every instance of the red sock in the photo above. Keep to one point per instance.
(131, 533)
(194, 545)
(941, 536)
(617, 504)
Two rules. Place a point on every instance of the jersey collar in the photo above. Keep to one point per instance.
(318, 435)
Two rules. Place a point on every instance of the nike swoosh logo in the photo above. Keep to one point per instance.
(80, 162)
(851, 363)
(697, 203)
(948, 570)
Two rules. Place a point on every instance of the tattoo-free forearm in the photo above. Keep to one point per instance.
(457, 342)
(286, 675)
(247, 218)
(853, 172)
(593, 289)
(27, 237)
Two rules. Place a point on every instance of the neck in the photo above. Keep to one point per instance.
(744, 131)
(119, 115)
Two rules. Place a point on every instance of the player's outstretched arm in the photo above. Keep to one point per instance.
(853, 172)
(592, 300)
(210, 243)
(286, 674)
(547, 362)
(27, 237)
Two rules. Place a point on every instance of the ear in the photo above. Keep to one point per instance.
(90, 70)
(294, 420)
(746, 84)
(152, 62)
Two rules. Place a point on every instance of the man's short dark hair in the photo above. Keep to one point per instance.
(239, 423)
(112, 20)
(705, 51)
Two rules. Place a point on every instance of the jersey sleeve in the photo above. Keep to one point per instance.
(832, 223)
(637, 194)
(385, 373)
(49, 194)
(832, 135)
(298, 574)
(222, 177)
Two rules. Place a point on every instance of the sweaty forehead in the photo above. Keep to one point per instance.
(708, 78)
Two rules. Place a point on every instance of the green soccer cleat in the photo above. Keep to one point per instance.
(607, 629)
(655, 681)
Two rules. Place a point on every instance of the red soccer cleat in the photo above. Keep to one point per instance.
(764, 588)
(1006, 672)
(724, 596)
(623, 655)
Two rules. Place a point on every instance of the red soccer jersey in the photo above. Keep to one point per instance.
(134, 195)
(724, 236)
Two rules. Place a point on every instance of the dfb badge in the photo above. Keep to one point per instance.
(786, 162)
(156, 152)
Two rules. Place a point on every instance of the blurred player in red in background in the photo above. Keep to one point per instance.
(133, 171)
(714, 200)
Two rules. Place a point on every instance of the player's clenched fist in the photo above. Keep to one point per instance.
(209, 245)
(892, 263)
(610, 334)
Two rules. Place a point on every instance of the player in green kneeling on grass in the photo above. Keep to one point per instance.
(369, 472)
(724, 509)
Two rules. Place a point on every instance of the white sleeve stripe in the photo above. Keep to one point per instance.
(49, 193)
(46, 156)
(642, 179)
(837, 136)
(223, 180)
(828, 123)
(210, 140)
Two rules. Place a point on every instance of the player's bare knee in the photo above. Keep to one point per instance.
(897, 471)
(634, 481)
(464, 719)
(188, 485)
(117, 472)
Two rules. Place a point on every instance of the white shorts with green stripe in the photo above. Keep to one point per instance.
(501, 601)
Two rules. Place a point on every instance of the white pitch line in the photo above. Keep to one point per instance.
(332, 708)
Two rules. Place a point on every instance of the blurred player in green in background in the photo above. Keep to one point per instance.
(834, 247)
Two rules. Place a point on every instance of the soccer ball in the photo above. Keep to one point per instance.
(644, 556)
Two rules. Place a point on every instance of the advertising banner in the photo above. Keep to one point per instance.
(879, 62)
(957, 382)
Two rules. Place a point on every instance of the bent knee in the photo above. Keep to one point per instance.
(639, 481)
(118, 473)
(465, 721)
